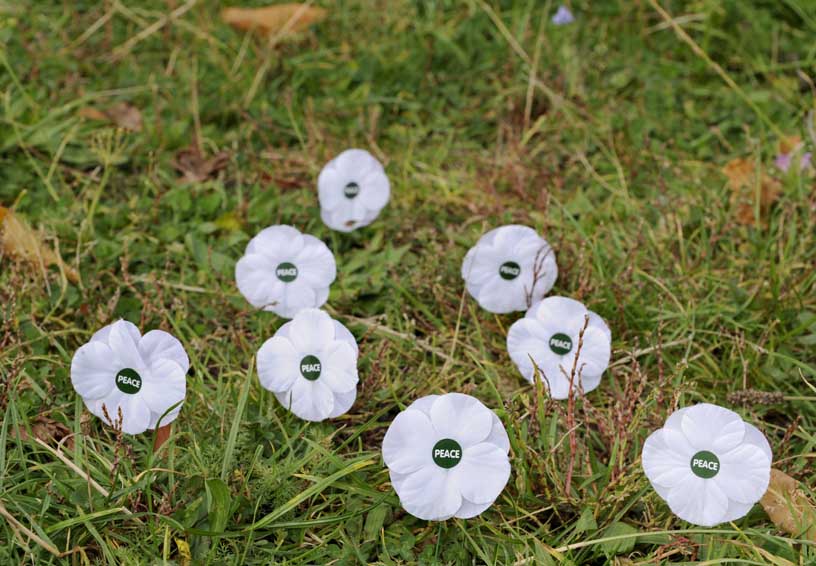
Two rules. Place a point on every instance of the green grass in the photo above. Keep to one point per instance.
(608, 136)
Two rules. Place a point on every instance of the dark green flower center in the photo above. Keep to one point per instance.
(447, 453)
(310, 367)
(286, 272)
(705, 464)
(128, 381)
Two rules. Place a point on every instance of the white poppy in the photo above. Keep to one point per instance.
(447, 457)
(310, 364)
(708, 464)
(549, 334)
(143, 376)
(284, 271)
(509, 269)
(352, 188)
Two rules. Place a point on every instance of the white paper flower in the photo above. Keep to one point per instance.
(141, 375)
(447, 457)
(310, 364)
(509, 269)
(352, 188)
(284, 271)
(549, 335)
(708, 464)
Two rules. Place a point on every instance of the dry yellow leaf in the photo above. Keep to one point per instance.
(280, 19)
(19, 240)
(184, 552)
(788, 506)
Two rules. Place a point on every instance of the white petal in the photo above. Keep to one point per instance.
(92, 370)
(482, 473)
(337, 219)
(698, 501)
(587, 383)
(430, 494)
(375, 190)
(556, 378)
(163, 386)
(714, 428)
(462, 418)
(343, 403)
(297, 296)
(311, 331)
(311, 400)
(663, 462)
(125, 346)
(135, 413)
(754, 437)
(477, 273)
(276, 241)
(278, 364)
(409, 442)
(339, 370)
(315, 263)
(330, 184)
(675, 420)
(527, 339)
(166, 419)
(498, 435)
(357, 162)
(468, 510)
(595, 351)
(158, 344)
(103, 333)
(501, 296)
(744, 473)
(424, 404)
(321, 296)
(344, 334)
(565, 313)
(257, 282)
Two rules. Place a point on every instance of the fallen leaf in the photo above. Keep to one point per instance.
(789, 144)
(19, 240)
(48, 430)
(194, 167)
(788, 507)
(280, 19)
(123, 115)
(743, 179)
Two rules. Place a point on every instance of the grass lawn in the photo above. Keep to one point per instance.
(609, 136)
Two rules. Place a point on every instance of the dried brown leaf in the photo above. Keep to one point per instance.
(788, 507)
(280, 19)
(194, 167)
(19, 240)
(740, 173)
(743, 179)
(789, 144)
(122, 115)
(48, 430)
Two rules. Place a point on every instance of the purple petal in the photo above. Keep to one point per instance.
(563, 16)
(783, 161)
